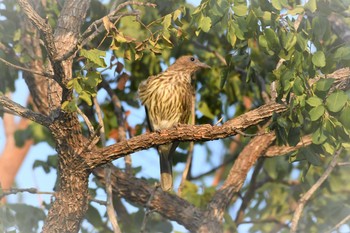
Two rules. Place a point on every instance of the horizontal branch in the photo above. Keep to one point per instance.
(273, 151)
(19, 110)
(45, 74)
(182, 133)
(7, 192)
(140, 192)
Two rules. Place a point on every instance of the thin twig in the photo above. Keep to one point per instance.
(282, 150)
(249, 194)
(148, 211)
(94, 138)
(45, 74)
(108, 171)
(110, 208)
(42, 26)
(24, 112)
(339, 224)
(97, 27)
(305, 198)
(219, 121)
(87, 121)
(121, 122)
(343, 164)
(100, 122)
(7, 192)
(216, 53)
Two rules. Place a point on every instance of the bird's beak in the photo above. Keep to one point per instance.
(203, 65)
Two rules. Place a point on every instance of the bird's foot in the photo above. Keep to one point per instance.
(158, 131)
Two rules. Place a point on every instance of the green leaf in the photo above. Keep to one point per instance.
(291, 40)
(38, 132)
(294, 136)
(298, 86)
(94, 217)
(205, 110)
(314, 159)
(272, 40)
(205, 24)
(318, 137)
(296, 11)
(302, 41)
(276, 4)
(27, 217)
(42, 164)
(22, 135)
(86, 97)
(240, 10)
(319, 26)
(231, 36)
(76, 85)
(314, 101)
(324, 84)
(94, 55)
(167, 21)
(319, 59)
(69, 106)
(177, 13)
(311, 5)
(328, 148)
(316, 112)
(336, 101)
(262, 41)
(93, 79)
(345, 117)
(342, 53)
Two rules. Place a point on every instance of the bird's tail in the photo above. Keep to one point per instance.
(166, 173)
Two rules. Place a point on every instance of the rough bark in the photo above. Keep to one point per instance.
(140, 192)
(71, 200)
(183, 133)
(238, 173)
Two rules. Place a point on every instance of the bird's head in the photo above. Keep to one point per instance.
(188, 64)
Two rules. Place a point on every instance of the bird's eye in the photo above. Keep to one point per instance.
(192, 59)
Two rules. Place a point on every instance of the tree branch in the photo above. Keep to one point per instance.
(249, 194)
(305, 198)
(339, 224)
(282, 150)
(44, 28)
(246, 159)
(45, 74)
(170, 206)
(24, 112)
(6, 192)
(182, 133)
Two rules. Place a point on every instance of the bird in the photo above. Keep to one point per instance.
(167, 98)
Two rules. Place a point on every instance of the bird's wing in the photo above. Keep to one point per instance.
(150, 126)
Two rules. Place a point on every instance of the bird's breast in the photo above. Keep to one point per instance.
(169, 102)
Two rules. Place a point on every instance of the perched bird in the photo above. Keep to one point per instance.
(168, 101)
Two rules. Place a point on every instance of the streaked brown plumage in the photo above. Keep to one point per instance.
(168, 101)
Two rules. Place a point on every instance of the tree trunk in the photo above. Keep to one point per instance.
(71, 202)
